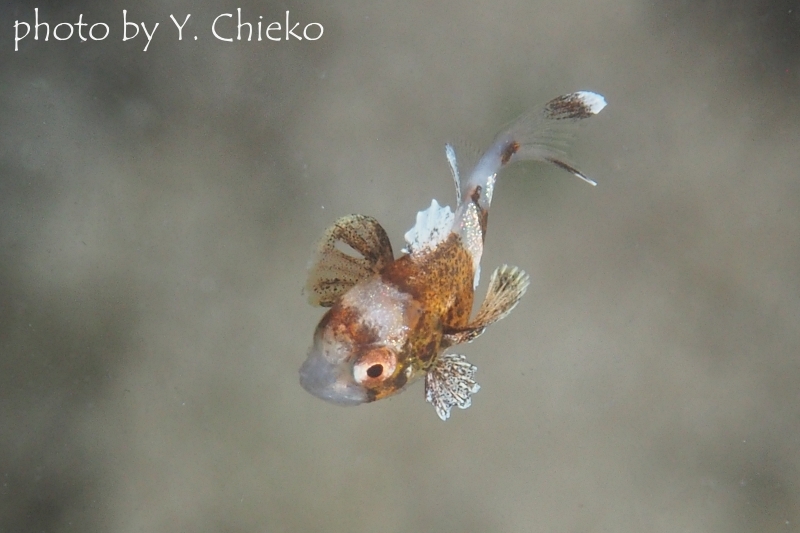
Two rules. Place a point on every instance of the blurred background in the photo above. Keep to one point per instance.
(158, 208)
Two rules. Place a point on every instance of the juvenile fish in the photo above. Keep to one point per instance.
(391, 320)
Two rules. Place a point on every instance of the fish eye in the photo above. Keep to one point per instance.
(375, 366)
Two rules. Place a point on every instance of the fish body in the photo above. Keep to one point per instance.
(391, 320)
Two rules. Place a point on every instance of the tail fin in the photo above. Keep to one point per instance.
(542, 134)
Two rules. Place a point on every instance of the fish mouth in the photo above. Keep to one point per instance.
(330, 382)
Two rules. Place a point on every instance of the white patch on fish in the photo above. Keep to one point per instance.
(432, 228)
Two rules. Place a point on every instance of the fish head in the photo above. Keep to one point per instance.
(341, 373)
(361, 351)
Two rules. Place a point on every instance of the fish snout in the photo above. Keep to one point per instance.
(331, 382)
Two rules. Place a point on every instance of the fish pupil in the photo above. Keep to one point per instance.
(374, 371)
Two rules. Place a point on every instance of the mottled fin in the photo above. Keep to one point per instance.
(542, 134)
(574, 106)
(352, 249)
(506, 287)
(432, 227)
(449, 383)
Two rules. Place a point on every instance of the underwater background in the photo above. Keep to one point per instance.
(158, 209)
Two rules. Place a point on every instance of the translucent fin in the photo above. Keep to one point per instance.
(468, 153)
(543, 134)
(432, 227)
(352, 249)
(506, 286)
(450, 152)
(449, 383)
(467, 225)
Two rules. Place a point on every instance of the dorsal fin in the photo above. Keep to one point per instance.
(433, 226)
(335, 268)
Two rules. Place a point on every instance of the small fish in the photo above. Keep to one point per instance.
(391, 320)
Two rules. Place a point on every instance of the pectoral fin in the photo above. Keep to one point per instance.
(449, 383)
(506, 287)
(352, 249)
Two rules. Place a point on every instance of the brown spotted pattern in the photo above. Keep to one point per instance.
(440, 282)
(421, 296)
(568, 106)
(334, 272)
(509, 150)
